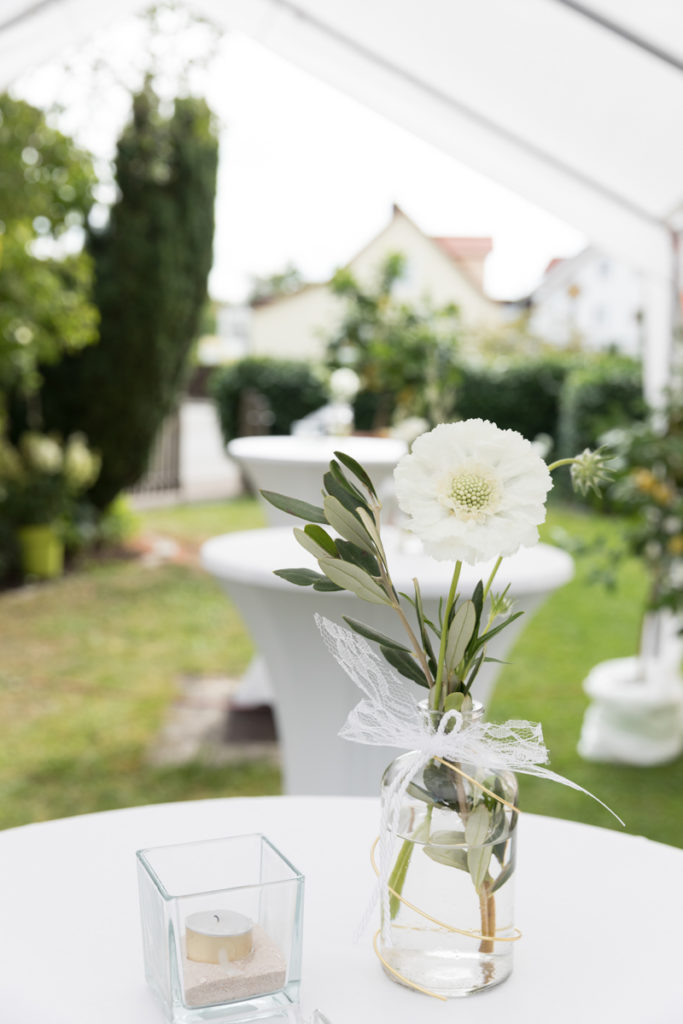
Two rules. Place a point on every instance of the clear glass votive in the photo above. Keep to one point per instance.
(221, 928)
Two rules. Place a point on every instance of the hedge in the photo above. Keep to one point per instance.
(604, 393)
(289, 389)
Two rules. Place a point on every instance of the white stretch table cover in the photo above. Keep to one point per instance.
(295, 465)
(312, 694)
(599, 912)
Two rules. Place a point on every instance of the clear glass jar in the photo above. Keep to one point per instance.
(450, 930)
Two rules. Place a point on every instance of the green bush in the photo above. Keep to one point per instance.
(288, 388)
(607, 392)
(521, 396)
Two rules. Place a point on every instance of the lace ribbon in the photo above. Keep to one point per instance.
(389, 715)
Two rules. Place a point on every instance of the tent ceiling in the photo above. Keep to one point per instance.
(537, 94)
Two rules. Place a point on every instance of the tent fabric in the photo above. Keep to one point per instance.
(574, 104)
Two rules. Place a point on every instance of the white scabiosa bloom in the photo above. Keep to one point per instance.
(472, 491)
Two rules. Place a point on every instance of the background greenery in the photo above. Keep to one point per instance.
(91, 662)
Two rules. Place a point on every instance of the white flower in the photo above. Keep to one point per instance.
(473, 491)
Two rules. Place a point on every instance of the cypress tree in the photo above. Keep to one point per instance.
(151, 268)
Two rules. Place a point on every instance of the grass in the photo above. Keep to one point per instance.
(91, 662)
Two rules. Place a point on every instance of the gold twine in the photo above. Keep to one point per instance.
(422, 913)
(435, 920)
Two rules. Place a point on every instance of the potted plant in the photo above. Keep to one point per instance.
(40, 478)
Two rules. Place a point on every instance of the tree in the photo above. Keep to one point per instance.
(151, 267)
(46, 186)
(404, 355)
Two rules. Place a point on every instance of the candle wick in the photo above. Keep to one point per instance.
(217, 918)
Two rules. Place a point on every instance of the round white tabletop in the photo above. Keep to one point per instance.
(598, 912)
(295, 465)
(312, 694)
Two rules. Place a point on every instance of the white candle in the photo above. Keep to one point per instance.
(217, 936)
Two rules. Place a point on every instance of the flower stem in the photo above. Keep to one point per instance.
(436, 703)
(560, 462)
(492, 576)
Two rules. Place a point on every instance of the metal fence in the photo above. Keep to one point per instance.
(163, 469)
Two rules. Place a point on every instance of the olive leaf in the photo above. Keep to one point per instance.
(300, 577)
(295, 507)
(405, 664)
(310, 545)
(349, 497)
(374, 634)
(357, 471)
(350, 552)
(322, 538)
(478, 856)
(459, 634)
(346, 523)
(351, 577)
(451, 858)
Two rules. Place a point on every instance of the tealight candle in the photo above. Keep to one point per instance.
(217, 936)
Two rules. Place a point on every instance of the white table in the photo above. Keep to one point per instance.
(599, 912)
(312, 695)
(295, 465)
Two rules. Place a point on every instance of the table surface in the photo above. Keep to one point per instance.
(317, 451)
(599, 912)
(251, 556)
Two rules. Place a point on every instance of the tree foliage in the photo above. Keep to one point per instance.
(151, 267)
(404, 355)
(46, 186)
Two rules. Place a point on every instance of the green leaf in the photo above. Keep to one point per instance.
(374, 634)
(325, 585)
(350, 552)
(484, 639)
(440, 782)
(352, 578)
(346, 523)
(322, 538)
(453, 702)
(300, 577)
(338, 474)
(405, 664)
(424, 635)
(474, 673)
(477, 825)
(370, 525)
(357, 471)
(460, 634)
(503, 877)
(347, 497)
(447, 837)
(478, 860)
(310, 545)
(451, 858)
(294, 507)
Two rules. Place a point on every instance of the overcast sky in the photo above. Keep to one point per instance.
(308, 176)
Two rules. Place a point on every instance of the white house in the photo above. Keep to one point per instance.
(444, 270)
(593, 299)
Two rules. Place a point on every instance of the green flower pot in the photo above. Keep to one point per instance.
(42, 551)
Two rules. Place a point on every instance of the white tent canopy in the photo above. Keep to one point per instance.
(574, 104)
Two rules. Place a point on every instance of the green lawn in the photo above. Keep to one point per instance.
(91, 662)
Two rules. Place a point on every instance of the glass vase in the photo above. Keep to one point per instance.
(447, 924)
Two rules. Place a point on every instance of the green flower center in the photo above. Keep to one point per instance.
(472, 493)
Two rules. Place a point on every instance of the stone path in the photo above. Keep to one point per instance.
(200, 725)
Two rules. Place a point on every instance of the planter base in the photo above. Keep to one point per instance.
(631, 721)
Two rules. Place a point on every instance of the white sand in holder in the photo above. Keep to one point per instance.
(262, 972)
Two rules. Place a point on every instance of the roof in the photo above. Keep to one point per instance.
(462, 249)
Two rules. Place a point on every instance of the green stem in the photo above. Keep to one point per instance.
(397, 878)
(492, 577)
(436, 703)
(560, 462)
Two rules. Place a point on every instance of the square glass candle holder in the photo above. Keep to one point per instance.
(221, 928)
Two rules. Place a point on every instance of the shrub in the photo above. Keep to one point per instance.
(521, 396)
(605, 393)
(287, 388)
